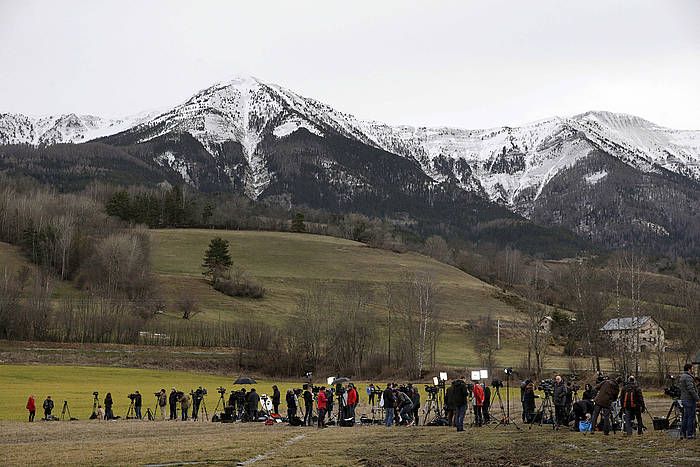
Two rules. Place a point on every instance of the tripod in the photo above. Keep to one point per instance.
(221, 402)
(546, 405)
(65, 411)
(506, 419)
(677, 412)
(130, 412)
(432, 405)
(203, 410)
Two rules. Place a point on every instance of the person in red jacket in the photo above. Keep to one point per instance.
(31, 407)
(352, 401)
(322, 403)
(478, 403)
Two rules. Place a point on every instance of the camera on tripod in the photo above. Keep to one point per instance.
(497, 383)
(132, 396)
(95, 394)
(221, 390)
(431, 389)
(673, 391)
(546, 385)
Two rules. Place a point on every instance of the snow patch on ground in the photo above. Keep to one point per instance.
(292, 125)
(595, 177)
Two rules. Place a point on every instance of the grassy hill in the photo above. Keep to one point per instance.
(288, 264)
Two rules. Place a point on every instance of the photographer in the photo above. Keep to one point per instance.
(197, 397)
(241, 398)
(632, 402)
(172, 400)
(291, 405)
(582, 407)
(415, 399)
(450, 404)
(184, 400)
(308, 406)
(478, 392)
(405, 407)
(137, 404)
(559, 398)
(322, 405)
(460, 394)
(162, 402)
(689, 401)
(109, 415)
(353, 399)
(389, 403)
(370, 394)
(523, 387)
(48, 408)
(252, 402)
(487, 404)
(276, 396)
(608, 390)
(529, 397)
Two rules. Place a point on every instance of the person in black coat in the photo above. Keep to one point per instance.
(291, 400)
(529, 397)
(308, 406)
(485, 415)
(389, 400)
(559, 398)
(48, 407)
(252, 401)
(415, 399)
(276, 396)
(172, 401)
(138, 403)
(109, 415)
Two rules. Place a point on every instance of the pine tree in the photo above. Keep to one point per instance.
(298, 223)
(217, 259)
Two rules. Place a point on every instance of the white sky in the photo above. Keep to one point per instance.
(457, 63)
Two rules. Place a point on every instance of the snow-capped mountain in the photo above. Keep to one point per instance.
(66, 128)
(265, 141)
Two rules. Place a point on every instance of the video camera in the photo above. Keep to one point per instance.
(546, 385)
(221, 390)
(497, 383)
(132, 396)
(431, 389)
(157, 394)
(672, 390)
(95, 393)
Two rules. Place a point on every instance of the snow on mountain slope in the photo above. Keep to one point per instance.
(66, 128)
(510, 165)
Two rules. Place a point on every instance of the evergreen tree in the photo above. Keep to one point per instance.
(217, 259)
(298, 223)
(119, 205)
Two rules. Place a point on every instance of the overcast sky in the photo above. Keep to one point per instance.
(456, 63)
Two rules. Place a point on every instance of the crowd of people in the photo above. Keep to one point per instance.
(596, 409)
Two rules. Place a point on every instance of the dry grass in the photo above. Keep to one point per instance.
(139, 443)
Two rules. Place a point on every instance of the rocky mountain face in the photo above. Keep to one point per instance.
(609, 177)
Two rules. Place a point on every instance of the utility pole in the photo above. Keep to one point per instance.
(498, 334)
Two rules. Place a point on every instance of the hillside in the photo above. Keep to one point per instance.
(289, 264)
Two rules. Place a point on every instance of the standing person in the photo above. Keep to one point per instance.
(450, 406)
(529, 397)
(608, 391)
(100, 413)
(291, 405)
(184, 405)
(162, 403)
(487, 405)
(352, 401)
(172, 400)
(389, 402)
(308, 406)
(252, 402)
(197, 397)
(478, 403)
(460, 393)
(109, 415)
(689, 400)
(276, 396)
(31, 407)
(559, 397)
(138, 401)
(370, 394)
(322, 404)
(415, 399)
(329, 402)
(523, 389)
(632, 402)
(48, 407)
(588, 392)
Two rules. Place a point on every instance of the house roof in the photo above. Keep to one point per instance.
(627, 323)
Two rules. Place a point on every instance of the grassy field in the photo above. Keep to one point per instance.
(133, 442)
